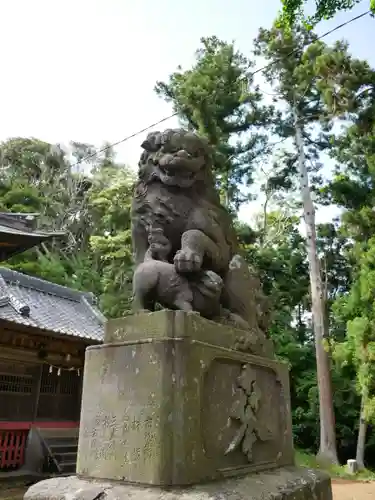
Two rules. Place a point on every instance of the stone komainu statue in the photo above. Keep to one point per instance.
(185, 247)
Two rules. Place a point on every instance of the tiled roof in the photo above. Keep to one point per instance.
(18, 233)
(30, 301)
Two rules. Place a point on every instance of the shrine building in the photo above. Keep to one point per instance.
(44, 331)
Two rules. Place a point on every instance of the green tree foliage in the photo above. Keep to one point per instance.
(292, 54)
(110, 242)
(282, 265)
(292, 10)
(356, 310)
(292, 75)
(280, 258)
(218, 99)
(347, 87)
(92, 208)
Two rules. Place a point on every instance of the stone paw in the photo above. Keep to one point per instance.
(187, 261)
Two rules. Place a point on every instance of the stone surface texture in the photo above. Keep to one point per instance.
(176, 406)
(173, 402)
(185, 246)
(283, 484)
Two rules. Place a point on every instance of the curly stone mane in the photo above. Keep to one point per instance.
(176, 200)
(178, 158)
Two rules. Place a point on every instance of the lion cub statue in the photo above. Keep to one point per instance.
(157, 281)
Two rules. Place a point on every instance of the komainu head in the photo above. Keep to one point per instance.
(176, 157)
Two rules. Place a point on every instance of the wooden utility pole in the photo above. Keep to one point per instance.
(327, 450)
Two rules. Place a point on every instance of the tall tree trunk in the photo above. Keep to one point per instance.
(327, 450)
(361, 441)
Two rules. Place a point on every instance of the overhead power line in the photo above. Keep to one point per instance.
(91, 155)
(263, 68)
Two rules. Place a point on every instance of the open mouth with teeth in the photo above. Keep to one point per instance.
(177, 179)
(179, 168)
(171, 172)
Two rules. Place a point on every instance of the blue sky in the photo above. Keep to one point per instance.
(85, 70)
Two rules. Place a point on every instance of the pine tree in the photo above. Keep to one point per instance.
(218, 99)
(292, 77)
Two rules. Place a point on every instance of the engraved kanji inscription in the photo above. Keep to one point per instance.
(244, 414)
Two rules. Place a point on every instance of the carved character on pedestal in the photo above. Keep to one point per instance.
(244, 412)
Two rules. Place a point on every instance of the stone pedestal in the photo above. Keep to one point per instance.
(170, 401)
(288, 483)
(173, 403)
